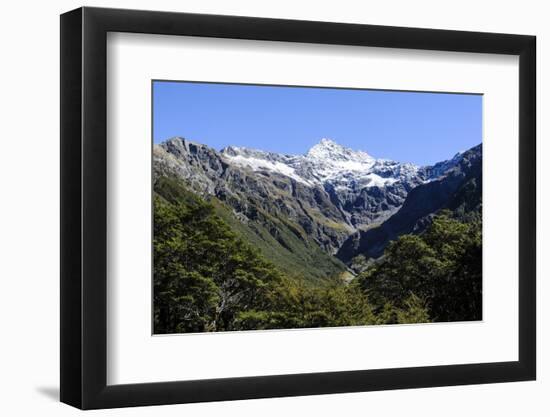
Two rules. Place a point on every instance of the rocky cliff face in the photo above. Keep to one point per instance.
(332, 194)
(255, 194)
(363, 189)
(458, 188)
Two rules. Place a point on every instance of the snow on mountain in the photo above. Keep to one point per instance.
(328, 150)
(326, 162)
(264, 161)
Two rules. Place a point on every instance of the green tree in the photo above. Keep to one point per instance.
(203, 274)
(441, 268)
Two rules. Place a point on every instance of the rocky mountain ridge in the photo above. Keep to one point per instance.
(458, 190)
(325, 197)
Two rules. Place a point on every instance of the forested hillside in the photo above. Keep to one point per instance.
(207, 278)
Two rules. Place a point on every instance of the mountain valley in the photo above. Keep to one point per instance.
(313, 214)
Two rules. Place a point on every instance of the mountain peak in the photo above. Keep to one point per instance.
(327, 142)
(328, 149)
(179, 141)
(230, 150)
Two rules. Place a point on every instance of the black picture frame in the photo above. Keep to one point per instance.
(84, 207)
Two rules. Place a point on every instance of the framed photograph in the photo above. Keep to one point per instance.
(257, 208)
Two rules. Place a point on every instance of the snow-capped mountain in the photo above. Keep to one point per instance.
(365, 189)
(326, 194)
(326, 163)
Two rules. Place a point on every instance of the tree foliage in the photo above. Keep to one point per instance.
(442, 267)
(204, 275)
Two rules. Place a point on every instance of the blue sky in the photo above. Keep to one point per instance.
(421, 128)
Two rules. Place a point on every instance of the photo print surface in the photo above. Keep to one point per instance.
(289, 207)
